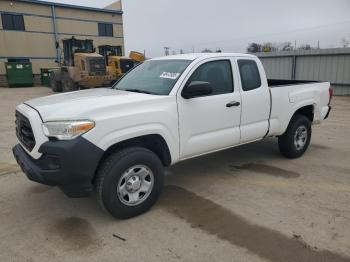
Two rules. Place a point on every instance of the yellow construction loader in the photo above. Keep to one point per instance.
(118, 64)
(81, 68)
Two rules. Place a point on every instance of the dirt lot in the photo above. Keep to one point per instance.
(243, 204)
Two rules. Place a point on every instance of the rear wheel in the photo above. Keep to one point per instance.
(129, 182)
(295, 141)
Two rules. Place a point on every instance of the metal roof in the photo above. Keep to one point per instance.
(312, 52)
(194, 56)
(39, 2)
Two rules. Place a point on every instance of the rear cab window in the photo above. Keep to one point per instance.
(250, 76)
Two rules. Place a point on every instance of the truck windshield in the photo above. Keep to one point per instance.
(156, 77)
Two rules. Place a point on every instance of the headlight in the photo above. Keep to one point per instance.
(66, 130)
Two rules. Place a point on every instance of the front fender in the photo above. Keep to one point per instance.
(116, 136)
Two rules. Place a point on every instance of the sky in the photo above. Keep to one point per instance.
(229, 25)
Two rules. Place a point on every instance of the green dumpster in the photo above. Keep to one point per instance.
(19, 74)
(45, 76)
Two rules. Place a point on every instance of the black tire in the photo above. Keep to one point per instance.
(114, 168)
(287, 143)
(56, 85)
(70, 85)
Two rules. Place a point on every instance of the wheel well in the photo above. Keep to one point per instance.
(307, 111)
(155, 143)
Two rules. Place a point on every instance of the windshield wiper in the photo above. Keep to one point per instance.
(137, 91)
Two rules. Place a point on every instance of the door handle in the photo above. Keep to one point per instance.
(233, 103)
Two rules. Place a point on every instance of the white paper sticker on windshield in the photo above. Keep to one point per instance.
(169, 75)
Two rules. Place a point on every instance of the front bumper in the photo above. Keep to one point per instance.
(70, 165)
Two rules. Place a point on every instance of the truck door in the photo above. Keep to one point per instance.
(211, 122)
(255, 97)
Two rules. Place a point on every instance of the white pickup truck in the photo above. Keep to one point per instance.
(116, 141)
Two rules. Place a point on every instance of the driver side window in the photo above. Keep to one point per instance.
(217, 73)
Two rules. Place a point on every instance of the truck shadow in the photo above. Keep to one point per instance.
(265, 169)
(214, 219)
(234, 161)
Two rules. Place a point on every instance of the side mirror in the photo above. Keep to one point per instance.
(196, 89)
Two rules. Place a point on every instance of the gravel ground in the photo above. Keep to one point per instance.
(243, 204)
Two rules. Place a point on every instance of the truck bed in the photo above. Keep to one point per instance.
(294, 94)
(284, 82)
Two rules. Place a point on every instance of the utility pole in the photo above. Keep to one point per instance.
(295, 45)
(166, 50)
(318, 44)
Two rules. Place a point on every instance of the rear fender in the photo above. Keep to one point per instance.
(297, 107)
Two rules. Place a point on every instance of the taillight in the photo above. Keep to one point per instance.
(330, 93)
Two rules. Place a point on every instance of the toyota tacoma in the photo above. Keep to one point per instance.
(116, 141)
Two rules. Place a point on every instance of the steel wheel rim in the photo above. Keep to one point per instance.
(135, 185)
(300, 137)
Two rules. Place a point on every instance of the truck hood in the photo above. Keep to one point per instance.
(87, 103)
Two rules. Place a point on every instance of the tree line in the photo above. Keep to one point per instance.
(274, 47)
(286, 46)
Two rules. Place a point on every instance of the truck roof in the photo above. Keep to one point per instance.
(194, 56)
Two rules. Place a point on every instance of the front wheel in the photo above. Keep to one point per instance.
(295, 141)
(129, 182)
(55, 84)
